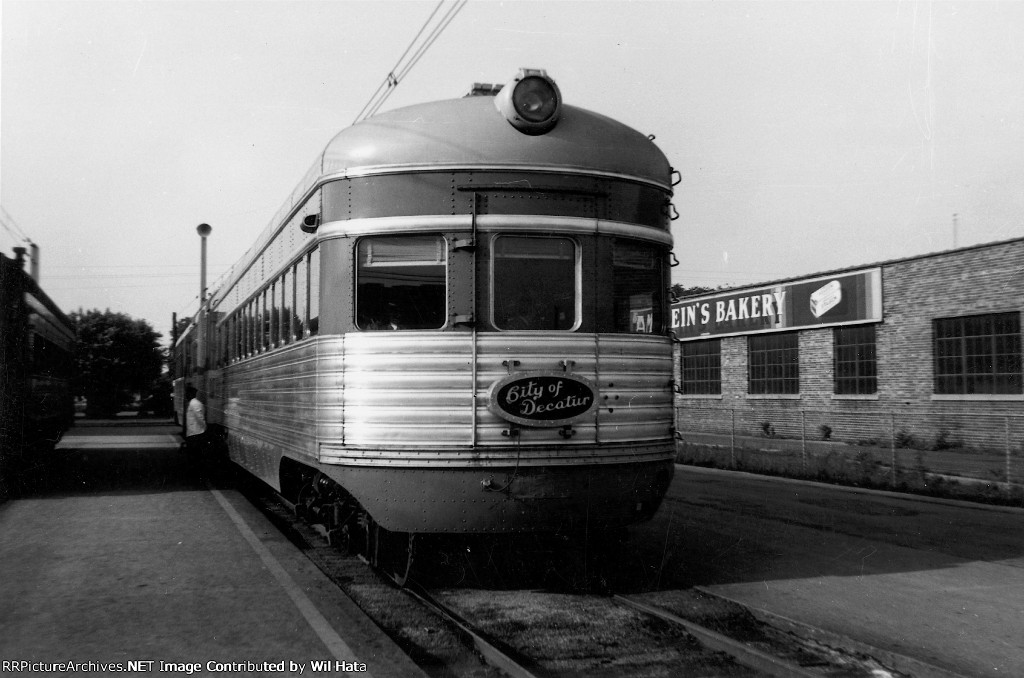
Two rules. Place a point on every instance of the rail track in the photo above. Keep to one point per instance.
(455, 631)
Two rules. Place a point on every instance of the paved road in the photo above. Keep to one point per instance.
(942, 582)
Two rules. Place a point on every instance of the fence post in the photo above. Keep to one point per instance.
(1006, 426)
(892, 444)
(803, 440)
(732, 440)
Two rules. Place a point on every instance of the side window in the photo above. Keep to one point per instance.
(401, 283)
(274, 296)
(314, 292)
(239, 327)
(638, 287)
(248, 328)
(264, 312)
(535, 283)
(301, 295)
(287, 304)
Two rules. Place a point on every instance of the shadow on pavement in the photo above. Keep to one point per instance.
(61, 473)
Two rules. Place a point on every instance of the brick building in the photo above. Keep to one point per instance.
(926, 349)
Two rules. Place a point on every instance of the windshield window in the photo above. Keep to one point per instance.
(535, 283)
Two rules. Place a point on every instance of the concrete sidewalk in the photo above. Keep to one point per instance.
(118, 555)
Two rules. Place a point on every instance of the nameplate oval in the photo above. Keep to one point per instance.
(542, 398)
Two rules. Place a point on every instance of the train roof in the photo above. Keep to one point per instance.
(472, 133)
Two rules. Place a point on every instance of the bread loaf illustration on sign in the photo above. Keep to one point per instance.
(825, 298)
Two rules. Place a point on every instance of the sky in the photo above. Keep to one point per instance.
(809, 136)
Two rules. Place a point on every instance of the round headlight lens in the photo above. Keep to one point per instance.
(535, 99)
(530, 102)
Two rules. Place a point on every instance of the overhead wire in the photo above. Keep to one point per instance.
(402, 68)
(10, 225)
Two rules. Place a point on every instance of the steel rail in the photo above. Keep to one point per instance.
(494, 652)
(743, 654)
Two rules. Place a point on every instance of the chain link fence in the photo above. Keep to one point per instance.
(967, 455)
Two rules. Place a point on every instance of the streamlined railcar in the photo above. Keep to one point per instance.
(455, 324)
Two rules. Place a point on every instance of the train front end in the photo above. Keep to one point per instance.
(493, 354)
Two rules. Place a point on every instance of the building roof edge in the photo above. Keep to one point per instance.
(858, 267)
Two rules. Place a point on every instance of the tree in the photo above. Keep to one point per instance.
(116, 357)
(680, 292)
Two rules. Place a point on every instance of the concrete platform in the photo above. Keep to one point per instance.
(119, 555)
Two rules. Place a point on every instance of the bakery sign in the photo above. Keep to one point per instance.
(542, 398)
(841, 299)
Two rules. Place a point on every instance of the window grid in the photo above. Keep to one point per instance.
(978, 354)
(701, 366)
(773, 364)
(855, 360)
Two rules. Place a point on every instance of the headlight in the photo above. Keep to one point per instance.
(531, 102)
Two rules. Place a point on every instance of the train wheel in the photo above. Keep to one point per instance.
(343, 527)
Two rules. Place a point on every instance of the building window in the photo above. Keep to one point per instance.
(701, 363)
(978, 354)
(773, 361)
(401, 283)
(535, 283)
(854, 360)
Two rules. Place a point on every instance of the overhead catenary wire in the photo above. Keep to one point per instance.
(12, 227)
(405, 63)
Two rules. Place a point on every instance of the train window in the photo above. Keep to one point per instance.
(301, 295)
(401, 283)
(237, 333)
(250, 335)
(314, 292)
(274, 296)
(229, 339)
(535, 283)
(243, 334)
(222, 342)
(265, 318)
(637, 283)
(287, 304)
(254, 326)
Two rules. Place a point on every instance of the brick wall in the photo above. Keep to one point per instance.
(970, 281)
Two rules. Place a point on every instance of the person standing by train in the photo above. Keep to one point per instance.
(195, 427)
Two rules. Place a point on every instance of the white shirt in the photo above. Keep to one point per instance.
(195, 418)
